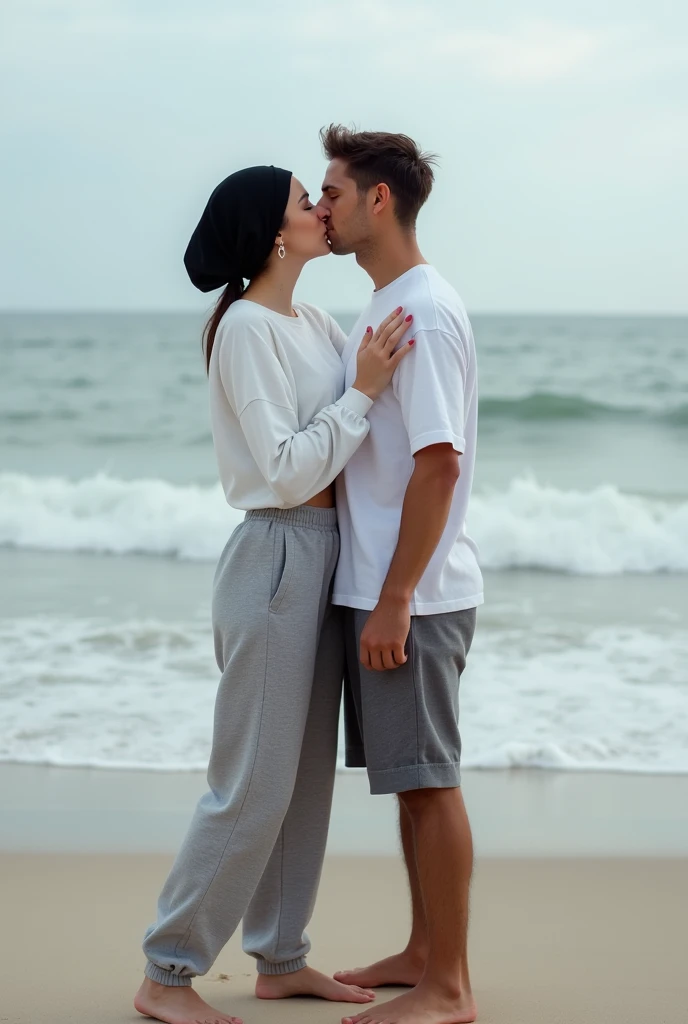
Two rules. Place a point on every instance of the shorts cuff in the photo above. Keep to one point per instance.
(415, 776)
(164, 977)
(286, 967)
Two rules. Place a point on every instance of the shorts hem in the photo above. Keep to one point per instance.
(446, 775)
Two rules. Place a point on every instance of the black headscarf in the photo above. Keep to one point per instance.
(238, 228)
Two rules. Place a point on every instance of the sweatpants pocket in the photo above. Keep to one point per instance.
(287, 556)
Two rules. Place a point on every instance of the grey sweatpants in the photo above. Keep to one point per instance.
(255, 846)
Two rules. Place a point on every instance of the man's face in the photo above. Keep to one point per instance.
(348, 222)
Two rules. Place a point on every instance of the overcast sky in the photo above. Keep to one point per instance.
(562, 130)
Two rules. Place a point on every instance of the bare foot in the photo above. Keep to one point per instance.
(402, 969)
(309, 982)
(177, 1005)
(424, 1005)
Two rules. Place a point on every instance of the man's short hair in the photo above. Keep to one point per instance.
(375, 157)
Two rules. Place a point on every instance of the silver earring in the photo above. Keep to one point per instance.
(281, 252)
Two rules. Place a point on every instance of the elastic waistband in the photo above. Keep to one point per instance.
(302, 515)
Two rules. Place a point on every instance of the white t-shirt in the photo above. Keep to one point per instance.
(433, 398)
(283, 426)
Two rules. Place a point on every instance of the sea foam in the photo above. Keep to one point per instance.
(597, 532)
(140, 693)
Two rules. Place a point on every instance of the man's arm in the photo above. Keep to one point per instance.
(424, 515)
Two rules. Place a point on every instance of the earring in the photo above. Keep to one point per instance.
(281, 252)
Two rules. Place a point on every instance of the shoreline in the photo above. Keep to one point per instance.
(517, 813)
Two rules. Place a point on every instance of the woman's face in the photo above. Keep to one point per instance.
(305, 234)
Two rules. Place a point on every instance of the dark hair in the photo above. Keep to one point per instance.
(233, 291)
(373, 157)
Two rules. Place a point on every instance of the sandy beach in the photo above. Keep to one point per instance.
(578, 908)
(595, 941)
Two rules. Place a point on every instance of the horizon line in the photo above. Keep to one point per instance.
(151, 311)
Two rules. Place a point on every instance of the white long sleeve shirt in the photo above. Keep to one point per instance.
(283, 426)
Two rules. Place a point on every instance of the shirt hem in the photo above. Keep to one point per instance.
(459, 604)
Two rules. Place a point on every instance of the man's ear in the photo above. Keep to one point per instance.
(382, 197)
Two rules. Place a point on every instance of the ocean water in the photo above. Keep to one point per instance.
(111, 519)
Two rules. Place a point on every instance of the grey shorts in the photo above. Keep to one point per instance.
(403, 724)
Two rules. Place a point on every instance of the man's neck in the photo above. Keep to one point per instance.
(389, 258)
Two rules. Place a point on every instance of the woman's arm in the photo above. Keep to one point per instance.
(298, 464)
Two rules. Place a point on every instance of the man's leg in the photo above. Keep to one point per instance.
(413, 748)
(405, 968)
(444, 857)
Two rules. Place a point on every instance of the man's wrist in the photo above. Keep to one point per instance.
(395, 595)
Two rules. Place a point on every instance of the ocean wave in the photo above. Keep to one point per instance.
(608, 699)
(547, 406)
(601, 532)
(528, 526)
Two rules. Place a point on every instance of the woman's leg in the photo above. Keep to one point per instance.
(267, 614)
(275, 922)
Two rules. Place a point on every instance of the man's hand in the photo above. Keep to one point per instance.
(384, 635)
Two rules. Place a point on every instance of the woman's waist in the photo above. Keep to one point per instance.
(324, 499)
(300, 515)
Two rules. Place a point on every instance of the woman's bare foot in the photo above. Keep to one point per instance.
(426, 1004)
(309, 982)
(177, 1005)
(402, 969)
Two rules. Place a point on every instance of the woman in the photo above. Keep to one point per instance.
(283, 429)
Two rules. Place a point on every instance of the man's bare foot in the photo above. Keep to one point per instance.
(177, 1005)
(309, 982)
(401, 969)
(426, 1004)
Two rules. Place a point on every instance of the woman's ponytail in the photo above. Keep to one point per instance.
(232, 292)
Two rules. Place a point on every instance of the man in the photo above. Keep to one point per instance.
(408, 573)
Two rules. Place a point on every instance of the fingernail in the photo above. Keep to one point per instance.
(369, 330)
(399, 310)
(409, 318)
(412, 341)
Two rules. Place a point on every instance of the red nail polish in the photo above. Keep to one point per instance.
(412, 341)
(409, 318)
(369, 330)
(399, 309)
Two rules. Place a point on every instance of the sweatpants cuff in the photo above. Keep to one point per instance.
(415, 776)
(286, 967)
(163, 977)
